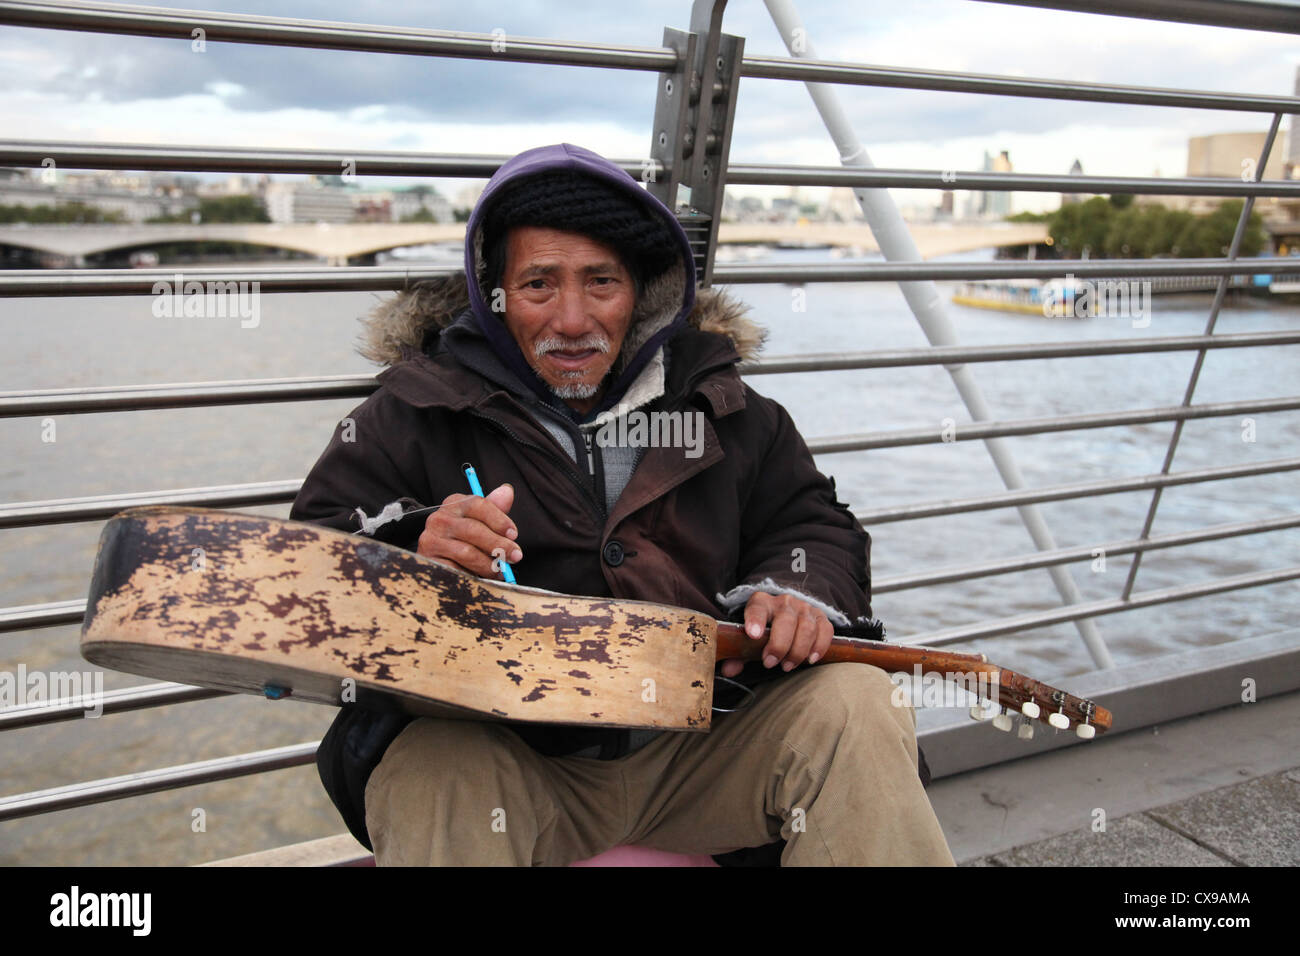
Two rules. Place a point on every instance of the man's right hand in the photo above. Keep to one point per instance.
(468, 532)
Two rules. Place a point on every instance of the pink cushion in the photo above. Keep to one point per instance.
(644, 856)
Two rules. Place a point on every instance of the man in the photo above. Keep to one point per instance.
(575, 326)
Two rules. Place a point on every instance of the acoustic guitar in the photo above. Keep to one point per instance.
(281, 608)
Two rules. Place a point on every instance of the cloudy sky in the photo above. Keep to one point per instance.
(67, 86)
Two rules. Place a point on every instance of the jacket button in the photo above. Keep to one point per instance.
(614, 553)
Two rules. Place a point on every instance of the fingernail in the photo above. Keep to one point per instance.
(814, 657)
(516, 555)
(786, 666)
(755, 630)
(769, 661)
(511, 533)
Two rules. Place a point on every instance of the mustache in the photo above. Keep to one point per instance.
(594, 341)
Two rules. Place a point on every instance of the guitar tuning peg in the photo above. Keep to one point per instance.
(1026, 731)
(985, 710)
(1086, 731)
(1029, 709)
(1059, 720)
(1002, 722)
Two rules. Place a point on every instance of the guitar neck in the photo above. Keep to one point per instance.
(1016, 692)
(732, 641)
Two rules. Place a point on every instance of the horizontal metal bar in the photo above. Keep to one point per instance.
(225, 159)
(60, 282)
(221, 27)
(961, 354)
(1036, 268)
(1235, 14)
(1043, 559)
(25, 617)
(973, 431)
(71, 282)
(122, 398)
(65, 510)
(1073, 612)
(1084, 489)
(859, 74)
(855, 177)
(152, 781)
(112, 702)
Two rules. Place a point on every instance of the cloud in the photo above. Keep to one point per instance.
(64, 85)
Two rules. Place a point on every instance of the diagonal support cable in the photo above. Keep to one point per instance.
(1219, 291)
(896, 243)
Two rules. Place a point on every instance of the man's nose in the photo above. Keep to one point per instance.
(572, 320)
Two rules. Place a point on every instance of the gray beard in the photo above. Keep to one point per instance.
(574, 390)
(571, 389)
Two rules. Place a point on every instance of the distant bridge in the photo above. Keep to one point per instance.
(337, 243)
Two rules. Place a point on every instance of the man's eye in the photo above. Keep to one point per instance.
(536, 284)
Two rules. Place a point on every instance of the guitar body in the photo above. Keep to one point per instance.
(262, 605)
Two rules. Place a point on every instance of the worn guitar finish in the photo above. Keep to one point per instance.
(283, 608)
(244, 603)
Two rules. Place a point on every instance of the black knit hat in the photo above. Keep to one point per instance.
(569, 201)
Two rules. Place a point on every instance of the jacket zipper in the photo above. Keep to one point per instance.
(595, 466)
(565, 464)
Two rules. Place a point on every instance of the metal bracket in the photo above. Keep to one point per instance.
(691, 140)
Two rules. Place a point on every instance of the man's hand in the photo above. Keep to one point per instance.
(799, 631)
(468, 532)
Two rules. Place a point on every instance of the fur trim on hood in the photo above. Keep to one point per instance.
(395, 328)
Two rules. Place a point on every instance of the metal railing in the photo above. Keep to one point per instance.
(670, 61)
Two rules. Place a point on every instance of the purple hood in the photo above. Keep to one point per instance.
(660, 312)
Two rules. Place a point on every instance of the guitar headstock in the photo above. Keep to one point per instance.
(1035, 701)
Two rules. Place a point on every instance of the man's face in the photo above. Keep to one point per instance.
(569, 303)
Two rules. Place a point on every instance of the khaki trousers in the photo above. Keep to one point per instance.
(821, 758)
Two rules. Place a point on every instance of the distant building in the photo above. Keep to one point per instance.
(999, 203)
(945, 208)
(408, 202)
(1066, 198)
(784, 209)
(372, 208)
(468, 195)
(136, 197)
(991, 205)
(233, 185)
(1231, 156)
(307, 202)
(843, 206)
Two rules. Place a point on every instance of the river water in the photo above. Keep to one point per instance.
(78, 342)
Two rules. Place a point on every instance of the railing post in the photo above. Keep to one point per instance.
(694, 113)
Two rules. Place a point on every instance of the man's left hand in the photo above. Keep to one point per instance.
(800, 632)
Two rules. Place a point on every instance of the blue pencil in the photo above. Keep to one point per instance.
(475, 487)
